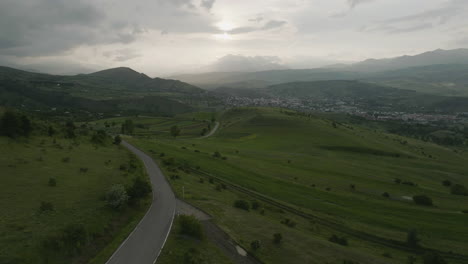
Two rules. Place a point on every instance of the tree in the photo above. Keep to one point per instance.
(15, 125)
(128, 127)
(117, 140)
(277, 237)
(139, 189)
(116, 197)
(70, 129)
(422, 200)
(175, 131)
(412, 239)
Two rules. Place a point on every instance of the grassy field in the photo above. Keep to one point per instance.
(83, 173)
(191, 125)
(307, 163)
(179, 248)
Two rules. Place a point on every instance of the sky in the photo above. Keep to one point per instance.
(165, 37)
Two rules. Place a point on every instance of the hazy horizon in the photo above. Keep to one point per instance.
(163, 37)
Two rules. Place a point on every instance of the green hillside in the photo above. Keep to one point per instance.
(54, 192)
(329, 178)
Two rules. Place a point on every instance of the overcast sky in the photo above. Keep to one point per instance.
(162, 37)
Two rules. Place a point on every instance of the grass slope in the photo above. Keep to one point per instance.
(77, 198)
(306, 163)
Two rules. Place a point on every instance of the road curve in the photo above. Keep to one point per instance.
(212, 131)
(146, 241)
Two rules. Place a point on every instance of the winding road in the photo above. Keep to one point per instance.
(212, 131)
(145, 243)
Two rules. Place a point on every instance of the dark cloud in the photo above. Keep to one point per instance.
(52, 27)
(233, 63)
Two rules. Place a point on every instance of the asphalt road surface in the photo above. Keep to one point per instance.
(145, 243)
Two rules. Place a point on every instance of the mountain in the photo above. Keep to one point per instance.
(263, 79)
(456, 56)
(440, 72)
(113, 91)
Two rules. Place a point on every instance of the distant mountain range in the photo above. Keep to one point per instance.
(442, 72)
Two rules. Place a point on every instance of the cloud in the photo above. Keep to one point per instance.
(208, 4)
(422, 20)
(353, 3)
(239, 63)
(272, 24)
(121, 55)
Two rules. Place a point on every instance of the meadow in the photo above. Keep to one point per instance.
(334, 171)
(52, 194)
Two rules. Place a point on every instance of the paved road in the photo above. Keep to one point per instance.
(144, 244)
(212, 131)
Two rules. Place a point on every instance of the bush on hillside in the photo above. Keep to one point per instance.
(338, 240)
(447, 183)
(46, 206)
(52, 182)
(190, 226)
(139, 189)
(242, 204)
(255, 245)
(412, 239)
(433, 258)
(117, 140)
(15, 125)
(458, 189)
(422, 200)
(116, 197)
(277, 238)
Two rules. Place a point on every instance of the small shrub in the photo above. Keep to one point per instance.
(412, 239)
(352, 187)
(123, 167)
(52, 182)
(83, 170)
(66, 159)
(223, 186)
(190, 226)
(433, 258)
(193, 256)
(386, 195)
(211, 180)
(277, 238)
(219, 188)
(338, 240)
(116, 197)
(255, 245)
(422, 200)
(446, 183)
(74, 237)
(117, 140)
(288, 222)
(387, 255)
(458, 189)
(409, 183)
(201, 180)
(242, 204)
(46, 206)
(217, 154)
(162, 154)
(398, 181)
(255, 205)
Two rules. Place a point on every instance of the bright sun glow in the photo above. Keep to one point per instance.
(224, 36)
(225, 25)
